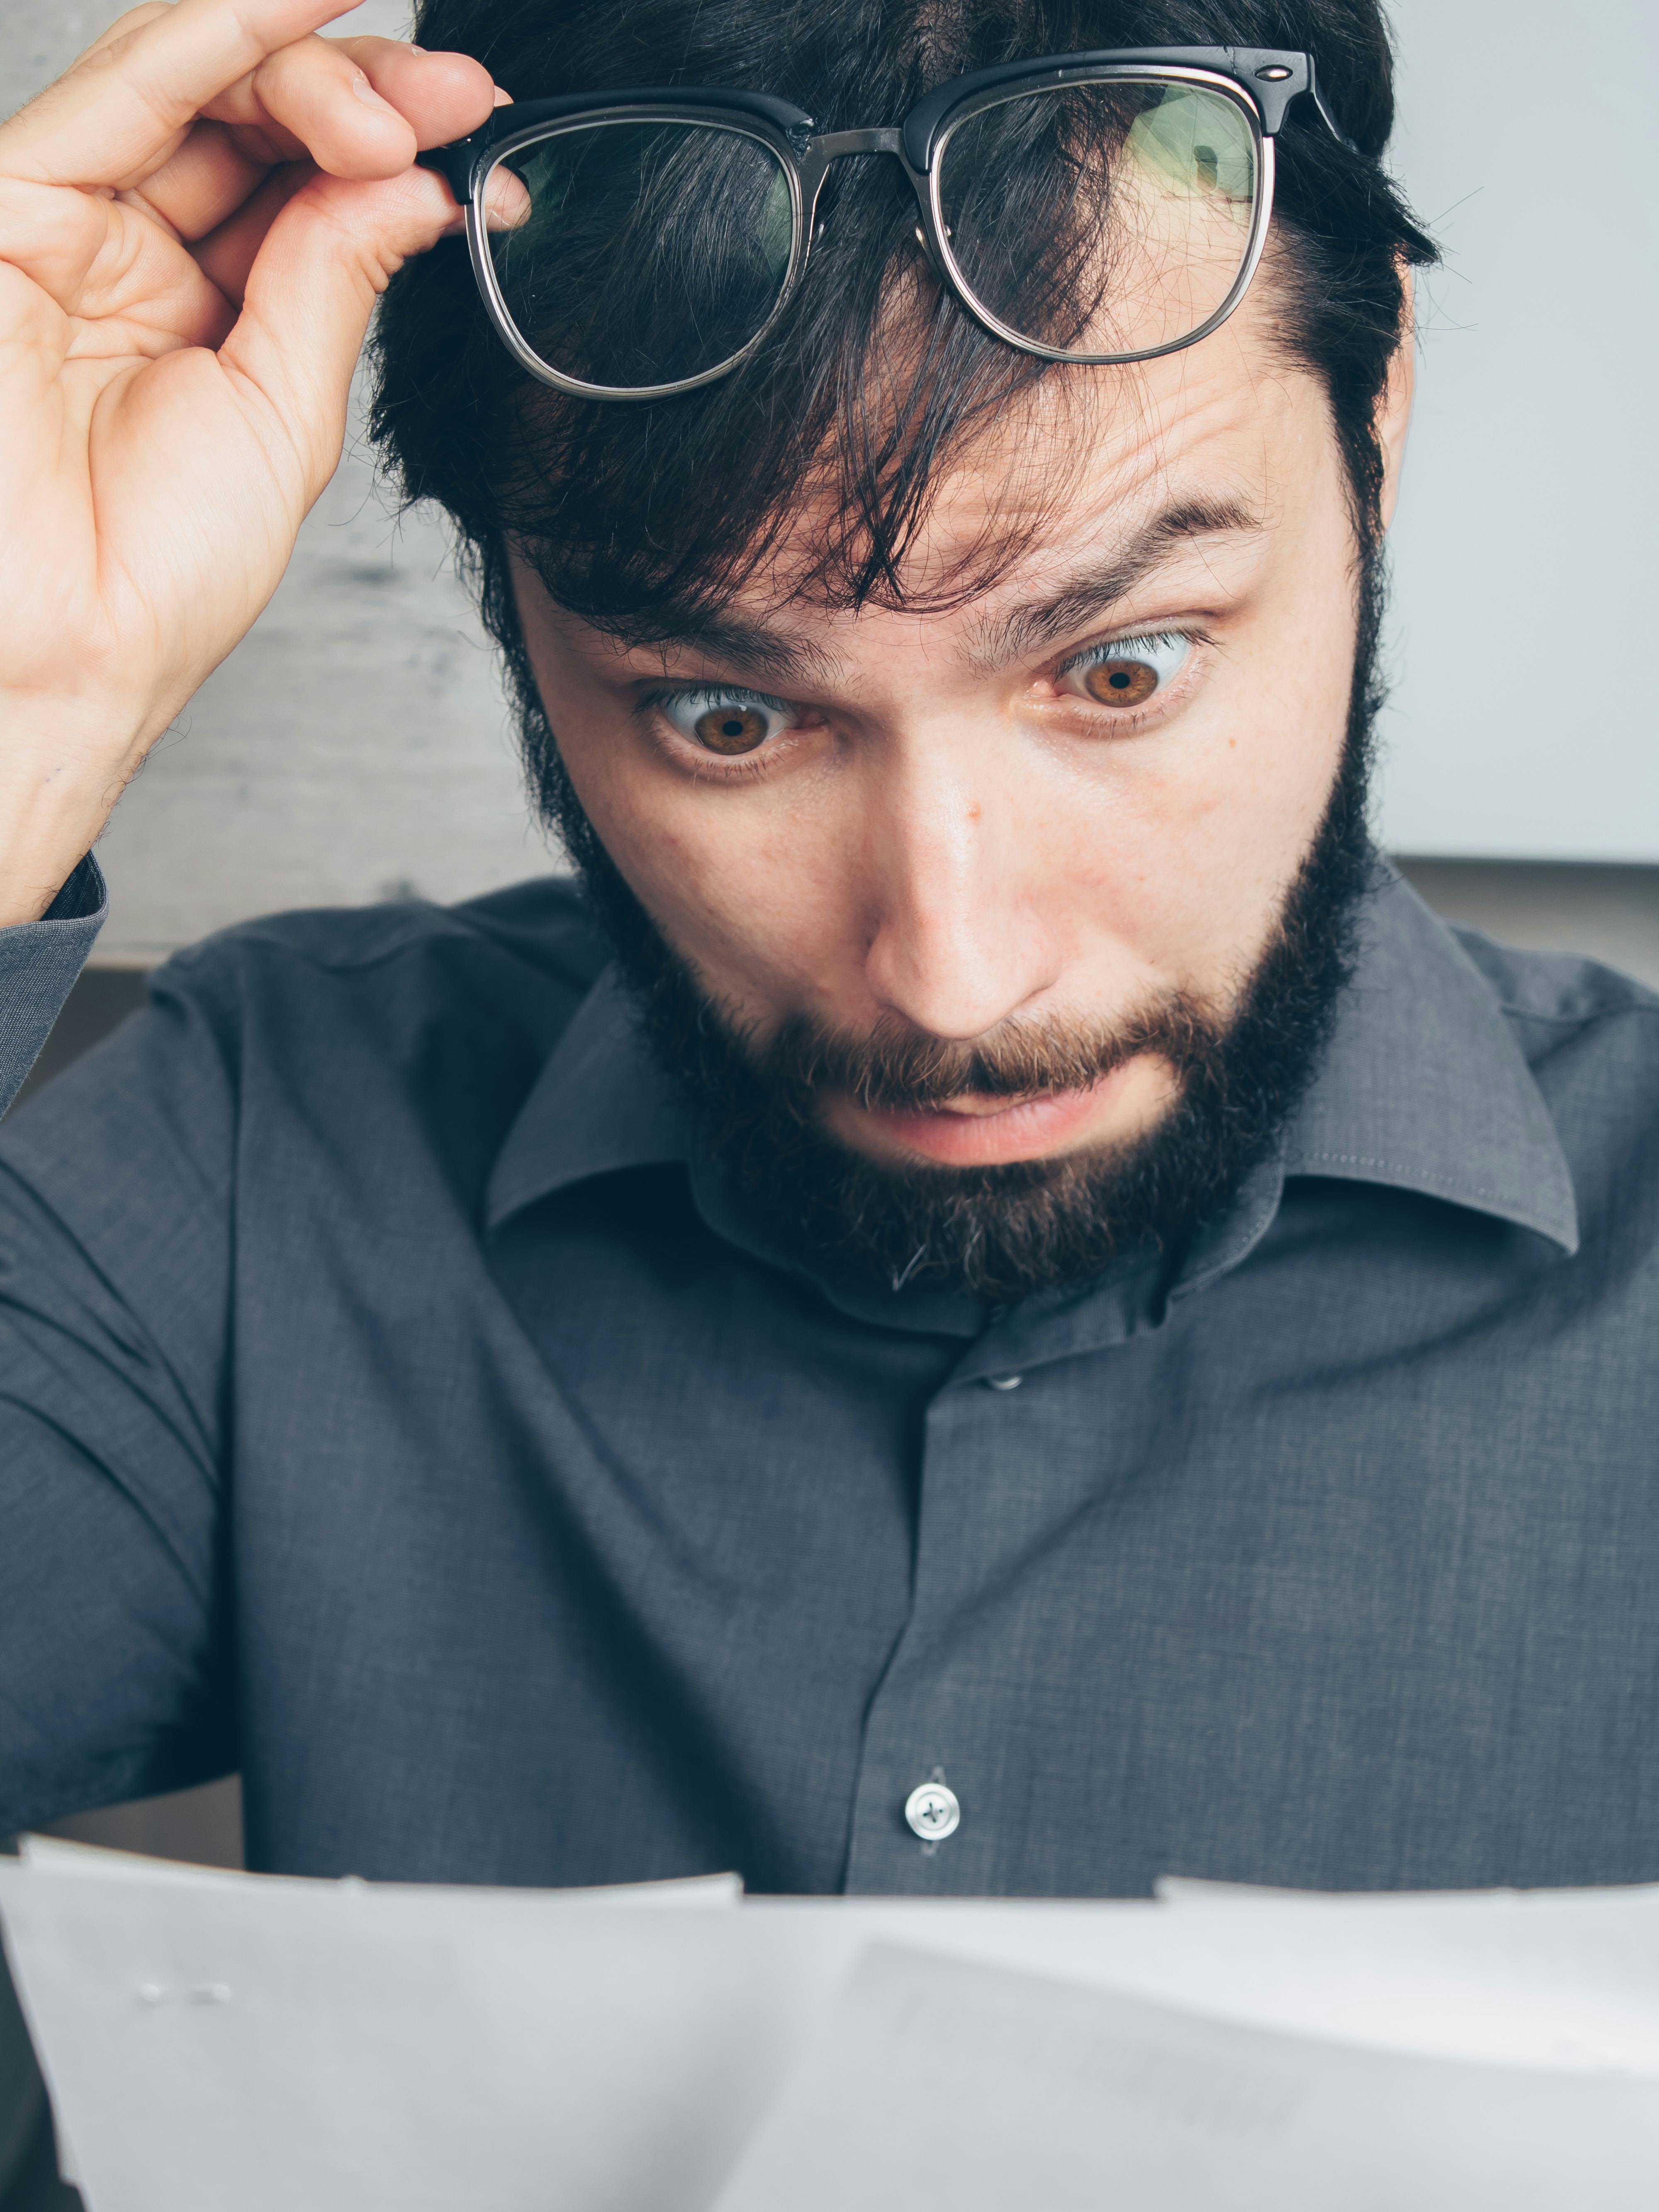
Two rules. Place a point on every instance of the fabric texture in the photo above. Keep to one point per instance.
(39, 963)
(396, 1406)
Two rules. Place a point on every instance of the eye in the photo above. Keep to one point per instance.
(726, 722)
(1130, 672)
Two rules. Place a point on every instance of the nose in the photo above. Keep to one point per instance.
(956, 942)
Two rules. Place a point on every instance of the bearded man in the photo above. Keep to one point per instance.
(986, 1302)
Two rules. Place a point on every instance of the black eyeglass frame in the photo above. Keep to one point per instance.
(1262, 82)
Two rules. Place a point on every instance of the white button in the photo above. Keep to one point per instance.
(933, 1811)
(1004, 1381)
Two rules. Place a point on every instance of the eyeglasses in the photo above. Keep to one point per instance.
(1101, 207)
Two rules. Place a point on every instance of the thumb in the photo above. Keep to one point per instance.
(311, 291)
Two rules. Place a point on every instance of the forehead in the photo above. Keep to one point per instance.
(1223, 436)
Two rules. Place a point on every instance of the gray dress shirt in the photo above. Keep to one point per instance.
(394, 1405)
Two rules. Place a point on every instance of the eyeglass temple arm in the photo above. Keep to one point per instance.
(453, 163)
(1325, 115)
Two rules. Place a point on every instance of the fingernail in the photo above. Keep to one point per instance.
(365, 92)
(503, 98)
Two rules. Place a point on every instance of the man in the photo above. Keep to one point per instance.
(997, 1308)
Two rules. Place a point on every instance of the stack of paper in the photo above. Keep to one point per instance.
(215, 2041)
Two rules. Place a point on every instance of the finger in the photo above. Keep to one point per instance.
(310, 292)
(227, 254)
(120, 112)
(209, 177)
(441, 96)
(313, 98)
(358, 108)
(132, 20)
(221, 165)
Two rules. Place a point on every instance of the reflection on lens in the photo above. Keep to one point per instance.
(649, 253)
(1102, 218)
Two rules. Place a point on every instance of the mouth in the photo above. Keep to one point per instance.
(975, 1131)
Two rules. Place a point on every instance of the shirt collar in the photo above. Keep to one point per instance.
(599, 1104)
(1423, 1087)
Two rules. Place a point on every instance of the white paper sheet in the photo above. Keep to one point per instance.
(933, 2082)
(59, 1856)
(1546, 1977)
(1555, 1979)
(216, 2040)
(222, 2040)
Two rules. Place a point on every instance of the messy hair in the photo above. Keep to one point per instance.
(874, 381)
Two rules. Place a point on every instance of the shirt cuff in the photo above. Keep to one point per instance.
(39, 963)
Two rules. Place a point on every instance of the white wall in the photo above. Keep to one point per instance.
(355, 741)
(1527, 546)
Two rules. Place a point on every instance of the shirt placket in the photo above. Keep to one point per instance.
(1000, 1462)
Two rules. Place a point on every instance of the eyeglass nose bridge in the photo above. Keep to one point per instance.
(834, 145)
(831, 146)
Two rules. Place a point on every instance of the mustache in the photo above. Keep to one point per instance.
(894, 1066)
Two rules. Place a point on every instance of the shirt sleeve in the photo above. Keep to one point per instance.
(39, 963)
(115, 1231)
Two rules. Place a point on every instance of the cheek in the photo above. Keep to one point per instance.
(1182, 850)
(751, 886)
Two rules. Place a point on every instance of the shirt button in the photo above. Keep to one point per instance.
(1004, 1381)
(933, 1811)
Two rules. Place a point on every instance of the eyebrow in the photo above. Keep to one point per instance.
(728, 641)
(782, 657)
(1083, 600)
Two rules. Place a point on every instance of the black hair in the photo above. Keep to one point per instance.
(636, 514)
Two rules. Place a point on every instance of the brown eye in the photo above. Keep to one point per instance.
(731, 729)
(1130, 670)
(1120, 682)
(730, 723)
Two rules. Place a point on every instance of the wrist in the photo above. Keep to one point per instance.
(57, 792)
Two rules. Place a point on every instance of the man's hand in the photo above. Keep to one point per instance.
(195, 223)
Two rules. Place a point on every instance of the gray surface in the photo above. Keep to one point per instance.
(203, 1826)
(355, 742)
(1604, 912)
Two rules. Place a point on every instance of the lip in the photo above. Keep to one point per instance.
(986, 1133)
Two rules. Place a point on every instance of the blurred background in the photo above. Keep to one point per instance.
(356, 747)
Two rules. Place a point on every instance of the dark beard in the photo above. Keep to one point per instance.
(1003, 1232)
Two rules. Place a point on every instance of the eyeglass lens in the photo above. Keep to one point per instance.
(641, 254)
(1110, 218)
